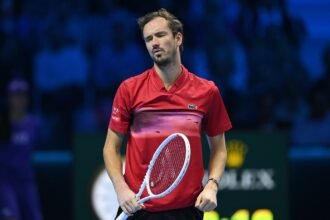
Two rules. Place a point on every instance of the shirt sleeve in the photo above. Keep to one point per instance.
(121, 110)
(216, 120)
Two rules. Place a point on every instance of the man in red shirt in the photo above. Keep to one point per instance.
(149, 107)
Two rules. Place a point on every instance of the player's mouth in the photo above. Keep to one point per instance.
(156, 51)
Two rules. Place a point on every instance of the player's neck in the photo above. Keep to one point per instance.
(169, 73)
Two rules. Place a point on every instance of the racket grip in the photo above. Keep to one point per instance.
(122, 216)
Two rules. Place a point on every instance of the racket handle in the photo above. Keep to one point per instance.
(122, 216)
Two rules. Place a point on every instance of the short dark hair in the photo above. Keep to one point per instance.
(174, 23)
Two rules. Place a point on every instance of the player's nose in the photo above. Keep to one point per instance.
(155, 42)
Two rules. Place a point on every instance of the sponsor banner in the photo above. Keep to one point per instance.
(253, 187)
(255, 182)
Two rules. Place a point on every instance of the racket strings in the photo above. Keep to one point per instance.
(167, 166)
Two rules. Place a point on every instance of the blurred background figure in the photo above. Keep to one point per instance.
(19, 132)
(60, 75)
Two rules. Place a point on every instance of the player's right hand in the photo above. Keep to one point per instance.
(128, 202)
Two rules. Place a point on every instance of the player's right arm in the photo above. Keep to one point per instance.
(113, 162)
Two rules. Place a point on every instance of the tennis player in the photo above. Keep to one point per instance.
(149, 107)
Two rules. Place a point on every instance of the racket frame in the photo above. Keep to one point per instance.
(146, 184)
(146, 181)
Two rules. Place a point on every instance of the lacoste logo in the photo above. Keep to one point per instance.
(192, 106)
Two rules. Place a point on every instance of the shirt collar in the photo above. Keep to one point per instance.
(177, 83)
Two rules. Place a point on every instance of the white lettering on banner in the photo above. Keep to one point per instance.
(248, 179)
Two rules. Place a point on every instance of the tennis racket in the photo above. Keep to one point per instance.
(166, 169)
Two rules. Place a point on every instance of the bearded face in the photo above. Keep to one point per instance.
(161, 44)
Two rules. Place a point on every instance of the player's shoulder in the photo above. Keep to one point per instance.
(202, 83)
(136, 79)
(134, 82)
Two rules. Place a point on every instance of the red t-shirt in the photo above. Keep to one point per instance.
(149, 113)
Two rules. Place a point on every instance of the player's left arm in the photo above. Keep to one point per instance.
(207, 199)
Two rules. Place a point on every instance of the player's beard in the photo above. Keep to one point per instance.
(164, 60)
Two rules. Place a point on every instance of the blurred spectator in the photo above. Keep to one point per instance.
(314, 129)
(221, 59)
(60, 75)
(269, 14)
(19, 132)
(291, 106)
(295, 29)
(77, 24)
(273, 62)
(247, 21)
(220, 45)
(14, 58)
(195, 56)
(325, 80)
(118, 57)
(265, 112)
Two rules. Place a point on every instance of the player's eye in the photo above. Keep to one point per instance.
(161, 34)
(148, 39)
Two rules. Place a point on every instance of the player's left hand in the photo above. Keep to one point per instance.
(207, 199)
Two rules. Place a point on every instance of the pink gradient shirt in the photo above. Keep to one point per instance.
(148, 113)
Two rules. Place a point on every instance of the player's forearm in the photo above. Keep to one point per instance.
(218, 157)
(217, 164)
(113, 160)
(114, 168)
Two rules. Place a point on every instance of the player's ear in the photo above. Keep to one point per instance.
(179, 39)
